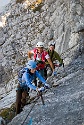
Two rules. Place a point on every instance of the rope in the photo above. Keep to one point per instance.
(38, 96)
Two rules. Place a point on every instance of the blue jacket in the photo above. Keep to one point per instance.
(27, 79)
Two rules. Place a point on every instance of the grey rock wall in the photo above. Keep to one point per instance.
(64, 103)
(21, 28)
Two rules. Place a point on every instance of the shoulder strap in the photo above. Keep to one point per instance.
(27, 70)
(35, 54)
(43, 56)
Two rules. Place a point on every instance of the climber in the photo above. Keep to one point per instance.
(24, 86)
(53, 56)
(40, 55)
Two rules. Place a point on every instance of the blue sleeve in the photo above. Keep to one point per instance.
(28, 81)
(40, 77)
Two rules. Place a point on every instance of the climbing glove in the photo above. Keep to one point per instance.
(54, 73)
(47, 86)
(60, 64)
(40, 89)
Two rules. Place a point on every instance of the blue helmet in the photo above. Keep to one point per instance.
(31, 64)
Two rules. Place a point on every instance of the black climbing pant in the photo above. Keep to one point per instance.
(21, 95)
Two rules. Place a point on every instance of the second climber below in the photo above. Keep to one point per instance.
(40, 56)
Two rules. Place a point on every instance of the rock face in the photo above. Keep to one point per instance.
(64, 104)
(21, 28)
(2, 121)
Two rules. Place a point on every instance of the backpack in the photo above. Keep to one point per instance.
(21, 72)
